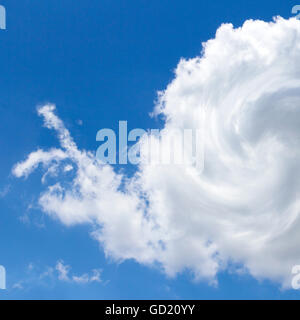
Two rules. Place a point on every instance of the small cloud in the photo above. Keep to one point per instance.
(4, 191)
(18, 285)
(48, 276)
(68, 168)
(64, 274)
(96, 277)
(24, 219)
(62, 270)
(47, 273)
(81, 279)
(30, 266)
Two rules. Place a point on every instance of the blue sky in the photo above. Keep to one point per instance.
(99, 61)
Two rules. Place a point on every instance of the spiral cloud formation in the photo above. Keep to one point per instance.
(243, 209)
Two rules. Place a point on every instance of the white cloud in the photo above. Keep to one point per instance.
(96, 276)
(48, 276)
(4, 191)
(64, 274)
(35, 158)
(68, 168)
(244, 206)
(18, 285)
(63, 271)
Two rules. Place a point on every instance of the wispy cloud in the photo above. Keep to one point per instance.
(49, 275)
(4, 191)
(64, 274)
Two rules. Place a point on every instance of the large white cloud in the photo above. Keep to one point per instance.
(243, 207)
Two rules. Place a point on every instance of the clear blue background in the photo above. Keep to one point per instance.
(100, 61)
